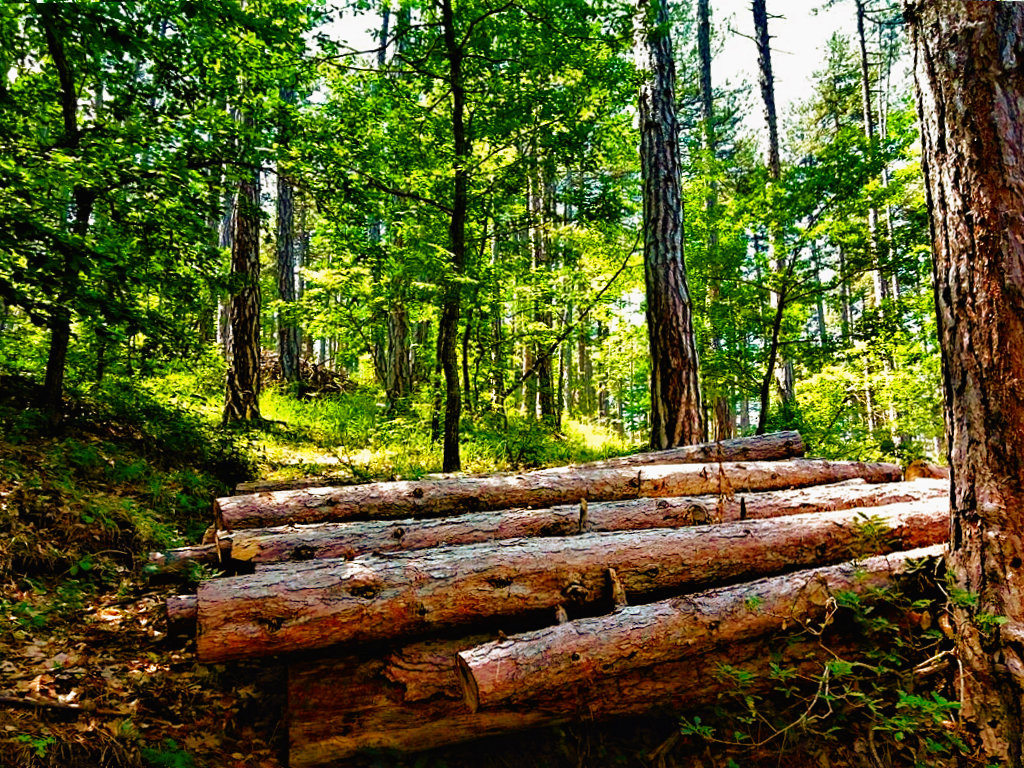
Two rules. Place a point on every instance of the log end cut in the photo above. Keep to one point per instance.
(470, 690)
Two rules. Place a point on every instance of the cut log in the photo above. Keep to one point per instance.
(182, 612)
(777, 446)
(773, 447)
(170, 560)
(919, 469)
(313, 481)
(411, 699)
(542, 489)
(316, 604)
(352, 539)
(570, 655)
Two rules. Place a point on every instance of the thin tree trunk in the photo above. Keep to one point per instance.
(967, 63)
(51, 399)
(675, 392)
(452, 293)
(881, 284)
(289, 335)
(778, 367)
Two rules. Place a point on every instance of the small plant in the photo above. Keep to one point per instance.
(168, 755)
(38, 745)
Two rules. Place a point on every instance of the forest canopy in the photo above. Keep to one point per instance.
(457, 211)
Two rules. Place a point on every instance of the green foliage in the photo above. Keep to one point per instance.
(894, 693)
(168, 755)
(38, 745)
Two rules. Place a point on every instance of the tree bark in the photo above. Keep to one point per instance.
(59, 321)
(451, 496)
(348, 540)
(317, 604)
(289, 335)
(410, 699)
(452, 292)
(242, 391)
(675, 392)
(568, 656)
(879, 279)
(967, 62)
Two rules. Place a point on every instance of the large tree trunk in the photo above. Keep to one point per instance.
(348, 540)
(242, 391)
(675, 393)
(971, 101)
(570, 655)
(321, 603)
(410, 699)
(451, 496)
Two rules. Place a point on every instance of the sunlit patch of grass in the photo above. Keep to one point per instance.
(591, 442)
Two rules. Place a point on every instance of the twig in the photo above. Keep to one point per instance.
(76, 709)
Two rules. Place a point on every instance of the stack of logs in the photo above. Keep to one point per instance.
(417, 614)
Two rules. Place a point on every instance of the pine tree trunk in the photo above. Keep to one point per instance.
(289, 335)
(879, 280)
(967, 61)
(778, 367)
(675, 392)
(241, 400)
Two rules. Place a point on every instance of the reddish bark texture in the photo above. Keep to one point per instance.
(571, 655)
(675, 393)
(459, 495)
(968, 66)
(348, 540)
(322, 603)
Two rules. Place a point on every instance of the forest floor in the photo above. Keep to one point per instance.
(90, 678)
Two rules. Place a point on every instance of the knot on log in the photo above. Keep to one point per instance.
(360, 581)
(575, 591)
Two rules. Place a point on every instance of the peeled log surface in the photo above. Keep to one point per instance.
(411, 699)
(572, 654)
(541, 489)
(352, 539)
(320, 603)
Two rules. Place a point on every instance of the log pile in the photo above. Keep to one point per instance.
(417, 614)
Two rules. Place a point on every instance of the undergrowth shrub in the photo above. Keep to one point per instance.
(884, 693)
(124, 474)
